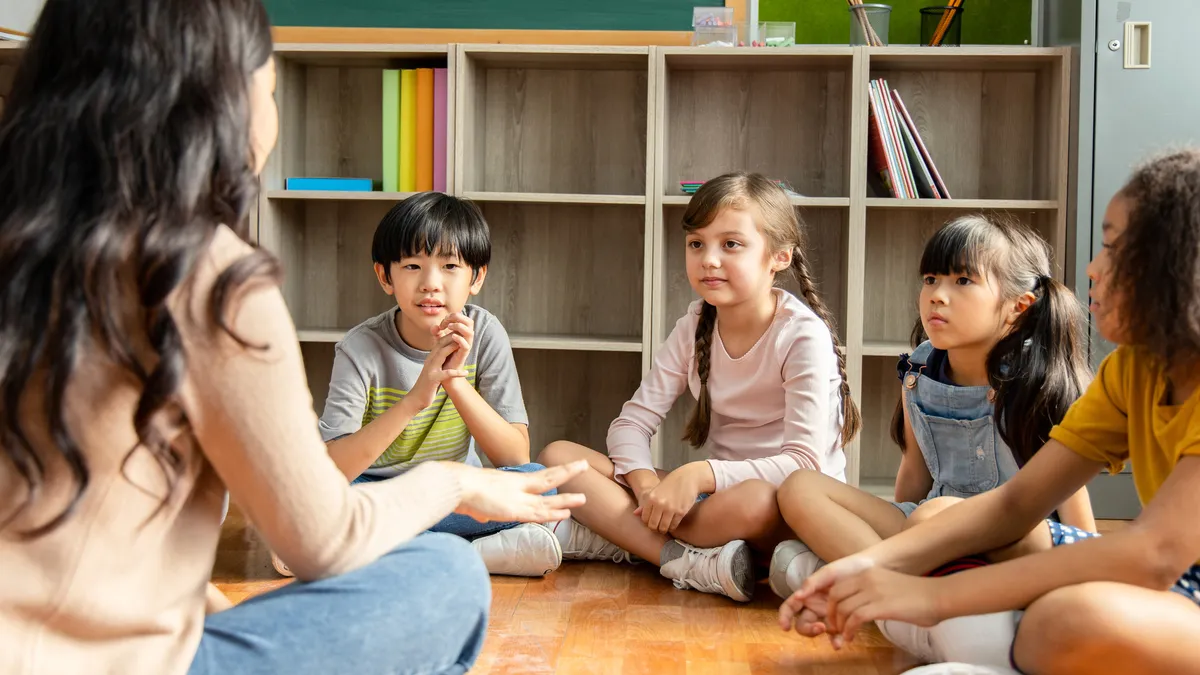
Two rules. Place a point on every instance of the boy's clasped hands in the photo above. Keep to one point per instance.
(446, 364)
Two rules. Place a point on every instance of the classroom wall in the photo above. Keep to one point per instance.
(995, 22)
(19, 15)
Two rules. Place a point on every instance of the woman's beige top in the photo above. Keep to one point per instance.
(120, 586)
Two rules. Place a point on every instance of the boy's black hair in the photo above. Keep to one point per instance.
(1155, 260)
(433, 223)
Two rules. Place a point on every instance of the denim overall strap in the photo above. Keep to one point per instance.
(956, 431)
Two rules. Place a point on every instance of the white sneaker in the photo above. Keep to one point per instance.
(583, 544)
(985, 640)
(527, 550)
(725, 570)
(280, 566)
(792, 563)
(959, 669)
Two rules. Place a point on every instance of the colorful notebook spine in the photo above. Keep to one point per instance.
(440, 110)
(424, 133)
(408, 130)
(391, 131)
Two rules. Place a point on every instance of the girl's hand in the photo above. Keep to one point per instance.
(506, 496)
(664, 507)
(807, 609)
(858, 591)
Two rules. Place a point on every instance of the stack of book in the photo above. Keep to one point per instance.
(414, 130)
(900, 164)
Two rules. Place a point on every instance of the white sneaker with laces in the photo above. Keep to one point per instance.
(527, 550)
(725, 570)
(984, 640)
(792, 563)
(583, 544)
(279, 566)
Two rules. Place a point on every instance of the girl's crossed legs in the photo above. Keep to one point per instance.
(747, 512)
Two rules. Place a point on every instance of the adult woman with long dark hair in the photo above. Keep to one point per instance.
(148, 364)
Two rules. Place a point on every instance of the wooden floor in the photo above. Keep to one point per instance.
(609, 619)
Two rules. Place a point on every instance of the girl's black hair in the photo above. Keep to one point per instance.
(1154, 261)
(1040, 367)
(433, 223)
(124, 145)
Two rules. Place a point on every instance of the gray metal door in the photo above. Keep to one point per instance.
(1138, 111)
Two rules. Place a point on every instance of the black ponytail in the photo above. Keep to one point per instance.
(1039, 368)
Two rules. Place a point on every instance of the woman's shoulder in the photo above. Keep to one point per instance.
(191, 300)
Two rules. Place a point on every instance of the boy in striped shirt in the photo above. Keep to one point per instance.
(433, 378)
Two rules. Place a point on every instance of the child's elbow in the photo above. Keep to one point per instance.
(1161, 557)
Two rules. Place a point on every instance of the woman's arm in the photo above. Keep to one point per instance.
(1077, 511)
(913, 480)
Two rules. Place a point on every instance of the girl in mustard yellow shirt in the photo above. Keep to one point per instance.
(1123, 603)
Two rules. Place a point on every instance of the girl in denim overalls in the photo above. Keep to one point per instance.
(1003, 361)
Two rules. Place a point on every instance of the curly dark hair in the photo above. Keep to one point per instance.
(1155, 260)
(125, 145)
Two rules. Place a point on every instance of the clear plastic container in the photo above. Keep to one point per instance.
(777, 34)
(711, 17)
(715, 36)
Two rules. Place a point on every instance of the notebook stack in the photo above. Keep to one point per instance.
(900, 164)
(414, 130)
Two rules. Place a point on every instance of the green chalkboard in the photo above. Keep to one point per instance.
(659, 15)
(985, 22)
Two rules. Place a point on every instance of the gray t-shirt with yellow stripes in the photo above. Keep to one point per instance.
(373, 369)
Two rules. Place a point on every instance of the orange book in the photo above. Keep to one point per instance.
(424, 129)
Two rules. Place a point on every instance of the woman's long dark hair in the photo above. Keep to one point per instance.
(124, 144)
(1039, 367)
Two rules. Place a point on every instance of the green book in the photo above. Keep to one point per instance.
(408, 130)
(391, 131)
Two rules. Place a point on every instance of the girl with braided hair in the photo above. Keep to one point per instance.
(768, 374)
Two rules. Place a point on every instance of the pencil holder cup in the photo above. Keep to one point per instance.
(941, 26)
(869, 24)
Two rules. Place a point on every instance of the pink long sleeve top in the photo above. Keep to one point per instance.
(775, 409)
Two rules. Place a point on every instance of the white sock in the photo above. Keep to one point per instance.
(562, 530)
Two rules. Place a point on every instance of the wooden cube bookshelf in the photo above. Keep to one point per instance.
(575, 155)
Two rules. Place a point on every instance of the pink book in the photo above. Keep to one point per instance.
(439, 129)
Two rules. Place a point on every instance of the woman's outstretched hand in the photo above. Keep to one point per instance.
(507, 496)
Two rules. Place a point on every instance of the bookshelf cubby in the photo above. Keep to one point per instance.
(786, 115)
(575, 154)
(565, 123)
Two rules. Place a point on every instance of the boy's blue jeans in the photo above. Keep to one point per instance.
(465, 526)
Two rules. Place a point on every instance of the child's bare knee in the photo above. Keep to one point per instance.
(930, 509)
(561, 452)
(757, 507)
(802, 490)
